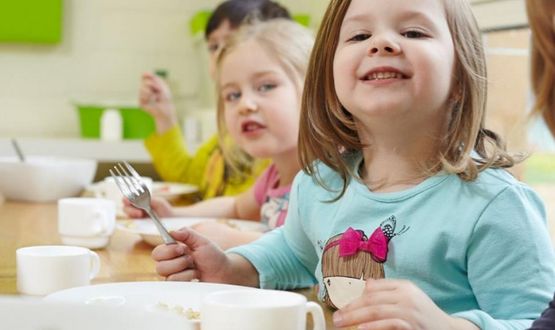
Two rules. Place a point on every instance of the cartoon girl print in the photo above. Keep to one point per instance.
(350, 258)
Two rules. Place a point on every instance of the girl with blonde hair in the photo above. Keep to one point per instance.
(398, 162)
(260, 74)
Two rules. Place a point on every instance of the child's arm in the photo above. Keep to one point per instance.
(196, 257)
(243, 206)
(225, 236)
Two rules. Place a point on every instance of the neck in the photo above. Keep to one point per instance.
(287, 165)
(397, 160)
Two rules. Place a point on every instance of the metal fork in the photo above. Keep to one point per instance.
(134, 189)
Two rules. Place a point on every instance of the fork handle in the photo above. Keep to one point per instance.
(161, 229)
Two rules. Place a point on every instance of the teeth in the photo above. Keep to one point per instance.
(384, 75)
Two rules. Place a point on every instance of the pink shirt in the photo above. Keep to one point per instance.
(273, 200)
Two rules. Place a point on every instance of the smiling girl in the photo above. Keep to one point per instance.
(260, 74)
(402, 177)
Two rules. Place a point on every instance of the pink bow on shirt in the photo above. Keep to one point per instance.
(352, 241)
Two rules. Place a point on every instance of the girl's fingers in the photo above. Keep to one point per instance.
(365, 314)
(167, 252)
(185, 276)
(133, 212)
(174, 266)
(374, 299)
(383, 284)
(385, 325)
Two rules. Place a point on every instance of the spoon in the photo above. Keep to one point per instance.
(18, 151)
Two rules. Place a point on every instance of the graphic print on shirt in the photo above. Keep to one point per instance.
(274, 210)
(350, 258)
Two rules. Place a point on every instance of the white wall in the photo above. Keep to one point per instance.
(106, 46)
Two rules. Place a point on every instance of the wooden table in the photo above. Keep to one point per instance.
(127, 257)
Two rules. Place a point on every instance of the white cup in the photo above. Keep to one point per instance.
(87, 222)
(44, 269)
(258, 309)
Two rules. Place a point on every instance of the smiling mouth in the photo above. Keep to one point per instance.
(383, 76)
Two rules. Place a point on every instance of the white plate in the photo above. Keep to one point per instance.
(171, 190)
(24, 313)
(149, 233)
(148, 296)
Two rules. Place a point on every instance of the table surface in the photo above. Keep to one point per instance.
(126, 259)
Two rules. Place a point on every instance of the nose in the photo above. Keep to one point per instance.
(248, 105)
(384, 45)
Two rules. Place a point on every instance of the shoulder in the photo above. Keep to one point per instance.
(505, 194)
(492, 182)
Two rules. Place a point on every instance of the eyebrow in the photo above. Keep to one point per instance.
(257, 75)
(405, 15)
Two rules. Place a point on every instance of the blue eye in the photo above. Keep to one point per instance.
(232, 96)
(266, 87)
(413, 34)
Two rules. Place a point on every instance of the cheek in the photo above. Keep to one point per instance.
(230, 121)
(340, 80)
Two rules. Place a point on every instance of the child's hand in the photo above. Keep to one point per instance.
(155, 97)
(159, 205)
(194, 257)
(396, 304)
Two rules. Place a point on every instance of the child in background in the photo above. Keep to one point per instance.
(206, 168)
(398, 163)
(541, 16)
(261, 74)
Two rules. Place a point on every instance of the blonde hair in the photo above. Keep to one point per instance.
(540, 17)
(328, 132)
(284, 40)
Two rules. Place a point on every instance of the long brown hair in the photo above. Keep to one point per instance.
(328, 132)
(540, 16)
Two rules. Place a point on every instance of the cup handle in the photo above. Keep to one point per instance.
(317, 315)
(101, 222)
(95, 264)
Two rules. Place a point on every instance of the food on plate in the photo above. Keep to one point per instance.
(189, 313)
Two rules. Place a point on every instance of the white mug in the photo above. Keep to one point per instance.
(258, 309)
(44, 269)
(87, 222)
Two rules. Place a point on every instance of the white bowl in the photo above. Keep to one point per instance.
(44, 179)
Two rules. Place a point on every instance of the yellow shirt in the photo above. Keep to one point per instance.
(205, 169)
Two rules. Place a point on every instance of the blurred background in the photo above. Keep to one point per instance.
(64, 62)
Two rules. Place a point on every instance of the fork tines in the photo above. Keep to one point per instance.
(127, 179)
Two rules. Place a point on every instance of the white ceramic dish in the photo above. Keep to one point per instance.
(147, 296)
(44, 179)
(33, 314)
(171, 190)
(149, 233)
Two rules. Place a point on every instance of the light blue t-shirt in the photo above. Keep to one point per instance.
(479, 249)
